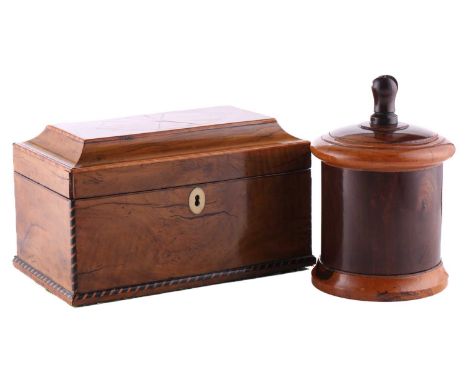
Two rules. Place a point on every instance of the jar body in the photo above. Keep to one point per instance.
(381, 223)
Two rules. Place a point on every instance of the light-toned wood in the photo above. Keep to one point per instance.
(406, 148)
(380, 288)
(197, 119)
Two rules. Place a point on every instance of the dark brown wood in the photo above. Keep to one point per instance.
(384, 90)
(118, 222)
(380, 288)
(381, 223)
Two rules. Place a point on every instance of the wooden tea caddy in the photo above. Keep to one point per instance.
(381, 206)
(142, 205)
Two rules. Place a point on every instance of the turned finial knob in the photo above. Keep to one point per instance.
(384, 90)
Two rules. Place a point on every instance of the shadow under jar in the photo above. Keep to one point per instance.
(381, 206)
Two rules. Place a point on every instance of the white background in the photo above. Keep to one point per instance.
(308, 64)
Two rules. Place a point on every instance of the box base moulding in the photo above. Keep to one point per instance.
(161, 286)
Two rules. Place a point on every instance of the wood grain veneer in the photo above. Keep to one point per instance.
(103, 207)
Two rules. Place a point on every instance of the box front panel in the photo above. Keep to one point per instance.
(139, 238)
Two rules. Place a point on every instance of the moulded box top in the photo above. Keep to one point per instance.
(158, 150)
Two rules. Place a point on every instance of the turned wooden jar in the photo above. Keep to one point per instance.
(381, 206)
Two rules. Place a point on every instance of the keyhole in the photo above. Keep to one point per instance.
(196, 200)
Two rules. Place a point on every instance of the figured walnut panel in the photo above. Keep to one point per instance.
(34, 165)
(44, 231)
(171, 121)
(137, 238)
(190, 169)
(82, 160)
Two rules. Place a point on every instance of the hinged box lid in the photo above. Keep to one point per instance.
(80, 160)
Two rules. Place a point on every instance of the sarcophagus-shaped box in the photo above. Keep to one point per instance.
(135, 206)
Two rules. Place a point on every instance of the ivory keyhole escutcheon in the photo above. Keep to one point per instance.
(197, 200)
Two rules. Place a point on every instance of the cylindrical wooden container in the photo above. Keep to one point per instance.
(381, 206)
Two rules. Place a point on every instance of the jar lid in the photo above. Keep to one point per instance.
(383, 143)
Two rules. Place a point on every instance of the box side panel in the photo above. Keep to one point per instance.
(143, 237)
(41, 169)
(43, 228)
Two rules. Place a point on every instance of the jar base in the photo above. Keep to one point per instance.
(379, 288)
